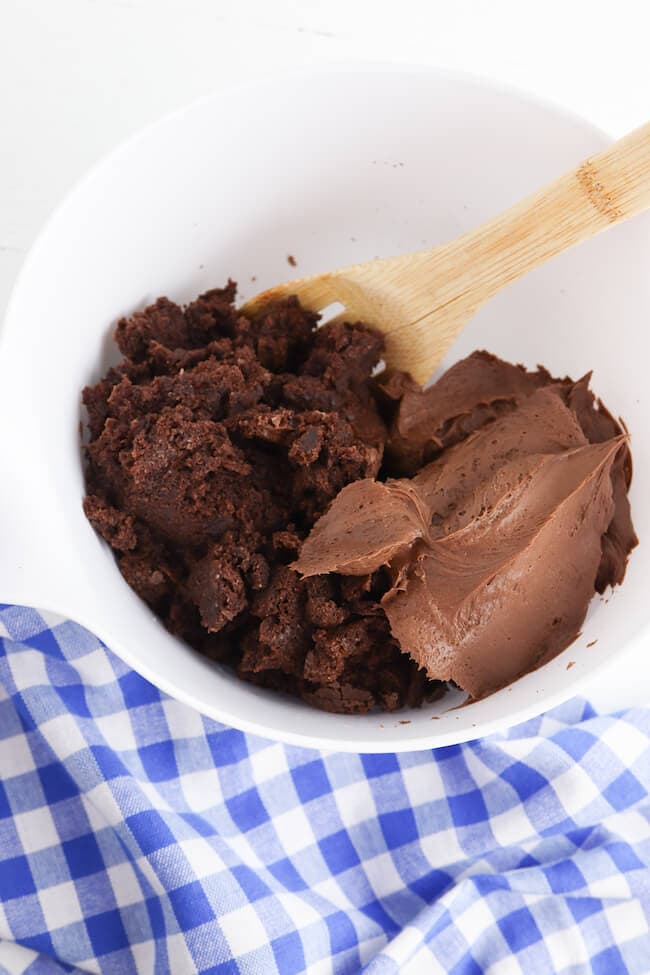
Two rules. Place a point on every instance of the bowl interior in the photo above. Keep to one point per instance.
(331, 167)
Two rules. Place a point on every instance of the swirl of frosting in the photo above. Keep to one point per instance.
(494, 548)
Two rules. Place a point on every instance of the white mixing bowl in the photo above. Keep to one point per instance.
(332, 166)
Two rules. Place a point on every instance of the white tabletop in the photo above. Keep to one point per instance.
(78, 76)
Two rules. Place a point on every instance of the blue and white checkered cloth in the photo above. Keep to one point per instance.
(138, 836)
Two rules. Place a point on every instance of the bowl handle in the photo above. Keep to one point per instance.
(33, 553)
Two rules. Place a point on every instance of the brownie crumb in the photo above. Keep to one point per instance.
(214, 446)
(291, 260)
(115, 527)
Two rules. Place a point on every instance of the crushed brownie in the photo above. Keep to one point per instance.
(214, 447)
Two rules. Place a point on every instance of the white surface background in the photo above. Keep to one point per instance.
(78, 76)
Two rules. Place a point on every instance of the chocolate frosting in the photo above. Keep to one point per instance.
(494, 548)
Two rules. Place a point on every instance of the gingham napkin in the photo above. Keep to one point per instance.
(137, 836)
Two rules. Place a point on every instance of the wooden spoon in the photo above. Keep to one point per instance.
(422, 301)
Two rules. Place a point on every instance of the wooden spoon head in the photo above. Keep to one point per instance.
(387, 294)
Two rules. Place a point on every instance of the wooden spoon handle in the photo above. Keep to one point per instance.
(604, 189)
(422, 301)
